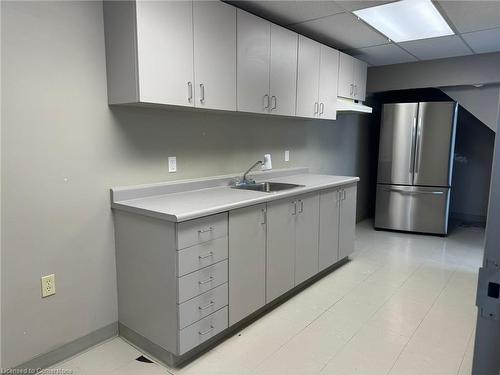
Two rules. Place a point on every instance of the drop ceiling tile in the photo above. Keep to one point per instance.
(351, 5)
(483, 41)
(472, 15)
(437, 48)
(342, 31)
(288, 12)
(383, 55)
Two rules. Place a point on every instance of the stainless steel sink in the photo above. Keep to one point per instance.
(266, 187)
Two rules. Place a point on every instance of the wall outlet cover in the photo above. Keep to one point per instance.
(287, 155)
(48, 285)
(172, 164)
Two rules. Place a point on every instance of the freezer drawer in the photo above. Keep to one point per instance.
(414, 209)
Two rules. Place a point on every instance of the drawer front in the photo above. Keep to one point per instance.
(202, 330)
(205, 304)
(194, 232)
(201, 281)
(203, 255)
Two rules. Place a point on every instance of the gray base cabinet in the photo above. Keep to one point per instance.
(247, 261)
(181, 284)
(280, 262)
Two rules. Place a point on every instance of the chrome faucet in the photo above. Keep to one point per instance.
(245, 180)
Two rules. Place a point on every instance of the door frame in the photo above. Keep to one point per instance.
(487, 341)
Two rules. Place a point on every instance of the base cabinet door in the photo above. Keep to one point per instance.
(280, 265)
(247, 261)
(306, 237)
(329, 228)
(347, 225)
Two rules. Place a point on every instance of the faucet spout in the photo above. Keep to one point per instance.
(244, 179)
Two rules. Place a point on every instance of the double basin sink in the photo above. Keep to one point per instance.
(266, 187)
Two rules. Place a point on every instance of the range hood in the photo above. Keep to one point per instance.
(349, 105)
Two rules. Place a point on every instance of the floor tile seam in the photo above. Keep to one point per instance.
(471, 337)
(416, 329)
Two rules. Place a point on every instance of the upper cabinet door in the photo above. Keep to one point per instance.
(360, 68)
(346, 76)
(165, 52)
(253, 46)
(308, 77)
(214, 55)
(283, 84)
(328, 79)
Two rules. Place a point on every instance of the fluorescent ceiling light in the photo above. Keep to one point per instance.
(406, 20)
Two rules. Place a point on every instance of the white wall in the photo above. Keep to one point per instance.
(63, 147)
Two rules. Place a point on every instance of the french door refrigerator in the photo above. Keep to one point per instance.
(417, 142)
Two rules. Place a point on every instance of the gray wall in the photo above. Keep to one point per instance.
(62, 148)
(455, 71)
(472, 169)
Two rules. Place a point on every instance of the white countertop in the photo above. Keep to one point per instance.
(190, 204)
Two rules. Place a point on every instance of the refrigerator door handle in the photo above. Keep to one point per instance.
(412, 148)
(413, 191)
(418, 146)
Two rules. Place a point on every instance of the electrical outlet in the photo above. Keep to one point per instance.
(287, 155)
(172, 164)
(48, 285)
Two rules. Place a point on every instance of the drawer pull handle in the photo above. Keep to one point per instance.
(208, 305)
(206, 281)
(207, 331)
(209, 229)
(207, 255)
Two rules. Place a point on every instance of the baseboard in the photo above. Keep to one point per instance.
(68, 350)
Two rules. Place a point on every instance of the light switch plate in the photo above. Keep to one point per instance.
(287, 155)
(172, 164)
(48, 285)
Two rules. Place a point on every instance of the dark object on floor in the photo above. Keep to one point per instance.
(143, 359)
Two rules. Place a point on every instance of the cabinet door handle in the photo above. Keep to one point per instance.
(202, 93)
(343, 195)
(321, 108)
(207, 331)
(294, 208)
(266, 101)
(316, 108)
(209, 229)
(275, 102)
(190, 91)
(264, 217)
(355, 90)
(207, 255)
(339, 197)
(206, 281)
(208, 305)
(301, 207)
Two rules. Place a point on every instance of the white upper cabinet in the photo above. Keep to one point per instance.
(214, 55)
(165, 52)
(283, 71)
(328, 78)
(317, 80)
(346, 76)
(267, 66)
(253, 58)
(308, 77)
(352, 78)
(360, 70)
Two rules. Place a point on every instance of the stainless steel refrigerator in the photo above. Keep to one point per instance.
(417, 142)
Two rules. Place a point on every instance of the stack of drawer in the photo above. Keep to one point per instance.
(202, 274)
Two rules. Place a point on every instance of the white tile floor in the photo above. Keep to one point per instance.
(403, 305)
